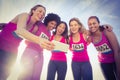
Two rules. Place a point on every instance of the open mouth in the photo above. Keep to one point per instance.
(60, 32)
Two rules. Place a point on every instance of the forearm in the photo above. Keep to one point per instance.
(27, 35)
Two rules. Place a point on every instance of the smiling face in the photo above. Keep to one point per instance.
(38, 13)
(60, 29)
(51, 25)
(93, 24)
(74, 26)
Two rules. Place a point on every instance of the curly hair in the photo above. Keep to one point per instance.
(52, 17)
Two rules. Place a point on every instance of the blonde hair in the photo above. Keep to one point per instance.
(82, 29)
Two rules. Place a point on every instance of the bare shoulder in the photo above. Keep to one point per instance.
(22, 15)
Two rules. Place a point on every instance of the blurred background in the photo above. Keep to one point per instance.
(107, 11)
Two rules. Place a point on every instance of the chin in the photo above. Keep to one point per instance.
(51, 29)
(93, 30)
(73, 32)
(38, 19)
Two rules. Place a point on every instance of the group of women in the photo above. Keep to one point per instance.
(29, 26)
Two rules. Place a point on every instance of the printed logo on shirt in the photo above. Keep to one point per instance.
(78, 47)
(43, 35)
(104, 48)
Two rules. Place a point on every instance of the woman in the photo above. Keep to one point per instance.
(58, 62)
(51, 21)
(12, 34)
(81, 66)
(108, 47)
(32, 58)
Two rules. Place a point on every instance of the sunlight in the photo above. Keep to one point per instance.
(17, 67)
(107, 11)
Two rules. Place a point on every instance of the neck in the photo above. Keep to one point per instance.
(32, 20)
(75, 34)
(57, 35)
(97, 33)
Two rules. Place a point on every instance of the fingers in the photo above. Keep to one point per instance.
(108, 27)
(45, 44)
(49, 45)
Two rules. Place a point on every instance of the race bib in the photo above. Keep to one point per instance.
(78, 47)
(44, 36)
(104, 48)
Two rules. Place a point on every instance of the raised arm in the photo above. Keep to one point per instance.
(106, 27)
(23, 32)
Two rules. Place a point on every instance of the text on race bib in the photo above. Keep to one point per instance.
(104, 48)
(78, 46)
(43, 35)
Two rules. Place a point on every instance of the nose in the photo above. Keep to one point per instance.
(71, 27)
(91, 25)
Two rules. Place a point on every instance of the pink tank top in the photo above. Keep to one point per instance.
(79, 49)
(104, 48)
(41, 32)
(58, 55)
(9, 41)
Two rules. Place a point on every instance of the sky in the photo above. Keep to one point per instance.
(107, 11)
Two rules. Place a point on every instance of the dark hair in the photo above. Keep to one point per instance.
(101, 27)
(52, 17)
(95, 18)
(65, 33)
(35, 7)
